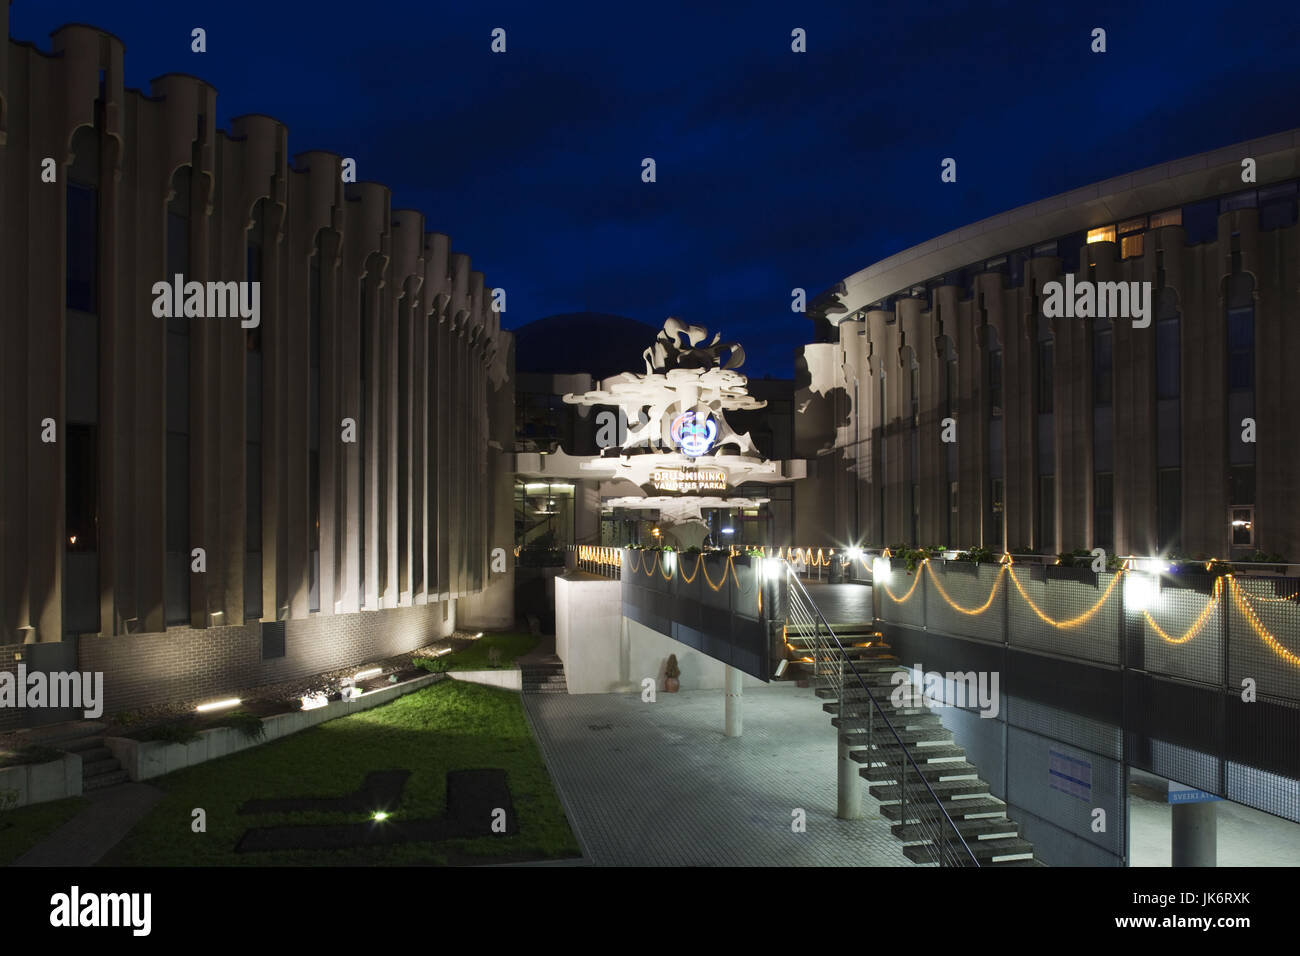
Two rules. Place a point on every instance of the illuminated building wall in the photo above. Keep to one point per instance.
(331, 459)
(1070, 432)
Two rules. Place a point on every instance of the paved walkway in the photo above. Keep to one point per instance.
(87, 837)
(660, 785)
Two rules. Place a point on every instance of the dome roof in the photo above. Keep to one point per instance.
(573, 342)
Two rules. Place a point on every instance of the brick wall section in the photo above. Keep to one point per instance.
(192, 665)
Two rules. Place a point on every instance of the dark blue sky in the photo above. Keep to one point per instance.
(775, 169)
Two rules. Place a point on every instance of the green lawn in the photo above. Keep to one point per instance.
(22, 829)
(475, 657)
(448, 726)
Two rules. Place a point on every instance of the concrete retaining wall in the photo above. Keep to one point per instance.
(507, 679)
(142, 759)
(42, 782)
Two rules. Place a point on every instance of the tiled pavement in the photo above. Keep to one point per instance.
(660, 785)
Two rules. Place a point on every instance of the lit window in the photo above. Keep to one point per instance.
(1130, 246)
(1243, 526)
(1132, 225)
(1170, 217)
(1103, 234)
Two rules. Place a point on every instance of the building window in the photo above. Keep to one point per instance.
(1242, 200)
(364, 416)
(1046, 511)
(1103, 366)
(1103, 511)
(996, 509)
(1277, 206)
(916, 396)
(1102, 234)
(1130, 246)
(1168, 357)
(995, 381)
(177, 470)
(1046, 377)
(1170, 217)
(1242, 523)
(82, 511)
(1201, 221)
(253, 429)
(951, 383)
(1169, 508)
(1241, 485)
(1044, 249)
(1241, 349)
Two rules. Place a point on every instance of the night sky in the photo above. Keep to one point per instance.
(775, 169)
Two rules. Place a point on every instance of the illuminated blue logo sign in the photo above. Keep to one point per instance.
(694, 434)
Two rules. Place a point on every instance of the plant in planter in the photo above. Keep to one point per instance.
(671, 674)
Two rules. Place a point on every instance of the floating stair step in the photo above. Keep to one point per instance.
(919, 753)
(971, 808)
(986, 851)
(990, 828)
(911, 738)
(945, 790)
(942, 770)
(907, 719)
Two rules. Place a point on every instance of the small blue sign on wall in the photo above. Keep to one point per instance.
(1179, 793)
(1069, 774)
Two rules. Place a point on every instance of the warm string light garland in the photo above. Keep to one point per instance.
(1241, 599)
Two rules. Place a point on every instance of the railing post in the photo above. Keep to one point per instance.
(902, 790)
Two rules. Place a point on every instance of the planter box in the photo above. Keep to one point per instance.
(43, 782)
(1085, 575)
(142, 759)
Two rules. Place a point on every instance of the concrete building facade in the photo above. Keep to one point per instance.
(943, 406)
(338, 452)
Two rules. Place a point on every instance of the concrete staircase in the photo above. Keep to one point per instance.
(99, 768)
(85, 738)
(543, 676)
(981, 819)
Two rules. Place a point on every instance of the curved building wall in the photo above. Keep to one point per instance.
(1072, 432)
(215, 432)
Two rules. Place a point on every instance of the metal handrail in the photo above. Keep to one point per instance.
(942, 846)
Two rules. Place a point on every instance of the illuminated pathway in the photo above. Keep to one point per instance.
(659, 785)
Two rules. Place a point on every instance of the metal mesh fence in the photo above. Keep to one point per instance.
(1181, 634)
(1264, 636)
(1097, 736)
(966, 599)
(902, 597)
(1059, 615)
(1064, 784)
(1264, 791)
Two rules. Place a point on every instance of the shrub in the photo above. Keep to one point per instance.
(434, 665)
(672, 670)
(176, 732)
(250, 725)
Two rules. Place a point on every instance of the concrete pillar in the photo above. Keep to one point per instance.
(735, 710)
(1195, 831)
(848, 785)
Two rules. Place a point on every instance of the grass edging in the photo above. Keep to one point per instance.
(143, 759)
